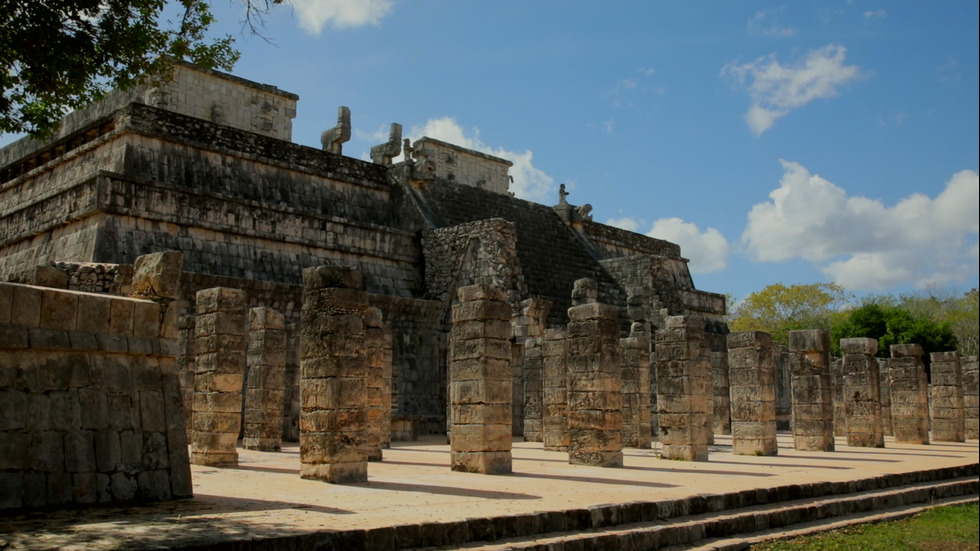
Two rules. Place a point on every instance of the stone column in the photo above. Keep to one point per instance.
(837, 384)
(554, 390)
(636, 386)
(813, 409)
(722, 406)
(684, 395)
(885, 394)
(946, 397)
(333, 373)
(220, 340)
(377, 354)
(862, 401)
(784, 387)
(533, 406)
(753, 393)
(910, 400)
(265, 394)
(186, 368)
(527, 323)
(595, 385)
(480, 382)
(971, 396)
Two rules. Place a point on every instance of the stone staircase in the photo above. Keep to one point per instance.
(735, 520)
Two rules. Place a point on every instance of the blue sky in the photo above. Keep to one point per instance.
(790, 142)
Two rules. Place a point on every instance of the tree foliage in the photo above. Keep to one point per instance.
(778, 309)
(59, 55)
(893, 325)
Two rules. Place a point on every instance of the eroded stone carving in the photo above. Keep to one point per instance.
(862, 398)
(383, 154)
(813, 408)
(753, 393)
(480, 382)
(910, 394)
(333, 139)
(333, 376)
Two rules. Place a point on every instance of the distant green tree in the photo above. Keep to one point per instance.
(892, 325)
(778, 309)
(59, 55)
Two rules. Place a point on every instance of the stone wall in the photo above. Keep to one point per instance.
(475, 253)
(90, 406)
(451, 162)
(228, 212)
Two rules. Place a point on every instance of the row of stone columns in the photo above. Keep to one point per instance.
(591, 386)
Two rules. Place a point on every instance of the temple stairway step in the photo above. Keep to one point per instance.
(738, 528)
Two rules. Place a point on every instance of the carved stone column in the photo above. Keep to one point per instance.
(910, 398)
(753, 393)
(636, 386)
(220, 340)
(813, 408)
(480, 382)
(265, 394)
(684, 396)
(946, 397)
(533, 405)
(862, 402)
(333, 374)
(595, 418)
(554, 390)
(971, 396)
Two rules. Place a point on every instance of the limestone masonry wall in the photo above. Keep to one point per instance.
(90, 406)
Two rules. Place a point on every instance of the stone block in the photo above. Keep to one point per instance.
(58, 310)
(157, 275)
(25, 305)
(861, 346)
(322, 277)
(906, 350)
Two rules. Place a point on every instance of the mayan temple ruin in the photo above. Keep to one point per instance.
(183, 287)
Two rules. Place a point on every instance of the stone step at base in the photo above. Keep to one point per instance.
(730, 529)
(810, 528)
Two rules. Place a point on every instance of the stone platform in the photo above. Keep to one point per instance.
(413, 499)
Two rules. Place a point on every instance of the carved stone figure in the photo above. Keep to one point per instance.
(382, 154)
(332, 140)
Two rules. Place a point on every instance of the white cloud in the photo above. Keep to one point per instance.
(776, 90)
(762, 24)
(624, 223)
(529, 182)
(647, 71)
(313, 15)
(875, 14)
(863, 244)
(707, 250)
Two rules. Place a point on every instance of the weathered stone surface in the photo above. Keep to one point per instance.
(909, 393)
(333, 415)
(85, 425)
(635, 353)
(971, 396)
(753, 393)
(595, 420)
(378, 359)
(948, 415)
(861, 393)
(220, 364)
(684, 395)
(554, 397)
(480, 385)
(266, 383)
(813, 414)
